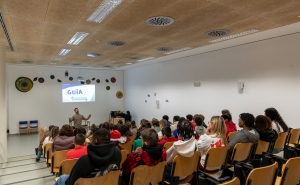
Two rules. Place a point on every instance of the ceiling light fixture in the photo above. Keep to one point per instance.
(234, 36)
(144, 59)
(129, 63)
(103, 10)
(64, 52)
(178, 50)
(77, 38)
(94, 55)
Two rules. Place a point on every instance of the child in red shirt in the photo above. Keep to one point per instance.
(80, 148)
(167, 136)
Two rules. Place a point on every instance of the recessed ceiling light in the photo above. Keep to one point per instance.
(234, 36)
(98, 41)
(144, 59)
(129, 63)
(94, 55)
(64, 52)
(103, 10)
(52, 63)
(178, 50)
(159, 21)
(77, 38)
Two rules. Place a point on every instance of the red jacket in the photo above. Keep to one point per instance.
(77, 152)
(231, 127)
(164, 141)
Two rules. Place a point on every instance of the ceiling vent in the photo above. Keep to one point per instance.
(159, 21)
(93, 55)
(134, 58)
(76, 64)
(164, 49)
(116, 43)
(216, 33)
(26, 62)
(6, 32)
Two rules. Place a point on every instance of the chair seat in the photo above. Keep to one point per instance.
(55, 169)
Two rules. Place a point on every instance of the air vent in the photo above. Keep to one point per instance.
(76, 64)
(116, 43)
(216, 33)
(159, 21)
(164, 49)
(6, 32)
(107, 66)
(94, 55)
(134, 58)
(26, 62)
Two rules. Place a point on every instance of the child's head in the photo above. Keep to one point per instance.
(217, 127)
(176, 118)
(122, 129)
(42, 132)
(149, 137)
(120, 122)
(101, 136)
(166, 132)
(66, 130)
(263, 122)
(166, 117)
(79, 139)
(80, 130)
(227, 117)
(155, 122)
(54, 132)
(185, 130)
(198, 121)
(106, 125)
(133, 125)
(189, 117)
(162, 123)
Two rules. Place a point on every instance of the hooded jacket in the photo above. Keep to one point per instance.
(231, 127)
(99, 157)
(267, 135)
(244, 136)
(149, 156)
(63, 143)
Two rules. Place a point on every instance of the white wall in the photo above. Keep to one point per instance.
(269, 69)
(44, 101)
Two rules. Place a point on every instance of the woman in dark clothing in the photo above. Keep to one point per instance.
(263, 125)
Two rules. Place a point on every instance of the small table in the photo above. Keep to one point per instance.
(115, 120)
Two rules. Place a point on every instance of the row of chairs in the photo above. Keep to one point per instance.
(28, 126)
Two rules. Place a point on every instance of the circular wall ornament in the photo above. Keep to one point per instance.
(88, 81)
(98, 81)
(52, 77)
(119, 94)
(24, 84)
(71, 78)
(107, 87)
(41, 80)
(113, 79)
(107, 80)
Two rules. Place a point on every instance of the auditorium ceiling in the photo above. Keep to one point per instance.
(40, 29)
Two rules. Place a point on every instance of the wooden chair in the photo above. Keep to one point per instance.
(33, 126)
(230, 136)
(127, 146)
(263, 175)
(241, 152)
(291, 173)
(132, 137)
(23, 126)
(262, 146)
(66, 166)
(145, 175)
(56, 159)
(185, 166)
(168, 145)
(294, 137)
(124, 154)
(281, 140)
(112, 178)
(48, 149)
(234, 181)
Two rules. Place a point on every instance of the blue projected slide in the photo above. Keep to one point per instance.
(78, 93)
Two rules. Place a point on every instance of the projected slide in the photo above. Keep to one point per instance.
(78, 93)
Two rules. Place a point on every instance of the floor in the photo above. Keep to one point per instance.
(21, 145)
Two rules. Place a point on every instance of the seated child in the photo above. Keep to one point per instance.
(80, 148)
(167, 136)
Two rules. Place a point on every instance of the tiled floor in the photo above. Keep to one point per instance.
(21, 145)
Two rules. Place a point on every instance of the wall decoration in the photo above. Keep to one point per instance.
(113, 79)
(52, 77)
(82, 82)
(58, 80)
(98, 81)
(93, 79)
(106, 80)
(66, 73)
(41, 80)
(88, 81)
(119, 94)
(71, 78)
(35, 78)
(24, 84)
(167, 101)
(154, 94)
(107, 87)
(145, 101)
(148, 95)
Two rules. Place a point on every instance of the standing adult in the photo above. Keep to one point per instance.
(77, 118)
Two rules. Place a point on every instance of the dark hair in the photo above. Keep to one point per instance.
(163, 122)
(101, 136)
(181, 119)
(66, 130)
(128, 112)
(155, 122)
(122, 129)
(201, 116)
(94, 128)
(50, 127)
(189, 117)
(150, 136)
(79, 139)
(133, 124)
(53, 133)
(225, 111)
(81, 130)
(185, 130)
(75, 109)
(166, 131)
(166, 117)
(105, 125)
(198, 121)
(227, 116)
(248, 119)
(176, 118)
(274, 115)
(120, 121)
(263, 122)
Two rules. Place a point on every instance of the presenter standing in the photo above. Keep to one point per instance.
(77, 118)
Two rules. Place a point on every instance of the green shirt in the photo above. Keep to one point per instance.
(137, 143)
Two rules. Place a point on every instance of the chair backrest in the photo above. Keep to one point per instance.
(58, 157)
(66, 166)
(294, 136)
(230, 136)
(234, 181)
(263, 175)
(23, 124)
(216, 157)
(144, 175)
(262, 146)
(112, 178)
(124, 154)
(291, 173)
(241, 151)
(185, 166)
(127, 146)
(33, 123)
(48, 149)
(168, 145)
(280, 141)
